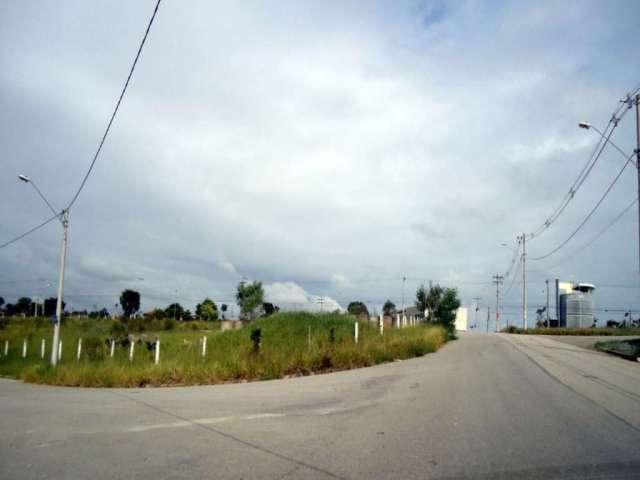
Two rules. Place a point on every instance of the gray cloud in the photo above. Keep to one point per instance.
(332, 146)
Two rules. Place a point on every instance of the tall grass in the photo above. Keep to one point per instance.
(291, 344)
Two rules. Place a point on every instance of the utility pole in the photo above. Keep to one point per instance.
(547, 310)
(497, 280)
(477, 300)
(404, 279)
(488, 317)
(638, 167)
(63, 261)
(524, 279)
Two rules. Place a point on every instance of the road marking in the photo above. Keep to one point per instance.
(202, 421)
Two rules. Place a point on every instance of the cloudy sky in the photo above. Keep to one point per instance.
(325, 148)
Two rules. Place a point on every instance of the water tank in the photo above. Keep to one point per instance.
(576, 310)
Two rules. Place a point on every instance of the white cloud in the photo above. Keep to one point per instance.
(291, 296)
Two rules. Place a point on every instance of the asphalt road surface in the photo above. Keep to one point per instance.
(487, 406)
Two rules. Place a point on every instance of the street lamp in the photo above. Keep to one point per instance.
(636, 152)
(588, 126)
(64, 218)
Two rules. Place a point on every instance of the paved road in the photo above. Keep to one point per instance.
(487, 406)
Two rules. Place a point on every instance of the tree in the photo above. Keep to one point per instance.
(224, 308)
(249, 296)
(270, 308)
(421, 299)
(174, 311)
(357, 308)
(1, 301)
(389, 308)
(49, 306)
(186, 315)
(433, 299)
(207, 310)
(445, 312)
(23, 305)
(130, 302)
(441, 305)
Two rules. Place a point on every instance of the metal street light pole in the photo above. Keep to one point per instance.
(63, 259)
(64, 218)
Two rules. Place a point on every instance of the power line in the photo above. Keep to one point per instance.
(593, 210)
(513, 281)
(617, 116)
(115, 111)
(37, 227)
(598, 235)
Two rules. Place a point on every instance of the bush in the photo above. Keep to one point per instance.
(94, 347)
(119, 329)
(168, 324)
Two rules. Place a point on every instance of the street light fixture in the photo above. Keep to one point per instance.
(64, 219)
(586, 125)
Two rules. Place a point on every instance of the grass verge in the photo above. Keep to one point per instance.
(609, 332)
(629, 349)
(291, 344)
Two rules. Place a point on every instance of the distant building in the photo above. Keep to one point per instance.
(574, 304)
(462, 315)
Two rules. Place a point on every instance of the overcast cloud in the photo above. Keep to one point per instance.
(326, 148)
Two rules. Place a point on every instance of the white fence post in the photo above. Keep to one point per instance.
(59, 349)
(355, 332)
(6, 348)
(43, 347)
(79, 349)
(113, 347)
(24, 348)
(381, 325)
(397, 320)
(158, 351)
(204, 346)
(133, 345)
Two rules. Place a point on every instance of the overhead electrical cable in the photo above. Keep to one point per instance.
(513, 281)
(37, 227)
(598, 235)
(115, 111)
(104, 137)
(586, 219)
(620, 112)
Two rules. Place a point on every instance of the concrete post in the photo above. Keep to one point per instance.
(59, 349)
(43, 345)
(381, 320)
(355, 332)
(6, 348)
(204, 346)
(113, 347)
(157, 359)
(24, 348)
(131, 348)
(79, 349)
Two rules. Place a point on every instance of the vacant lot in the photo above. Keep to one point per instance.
(289, 344)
